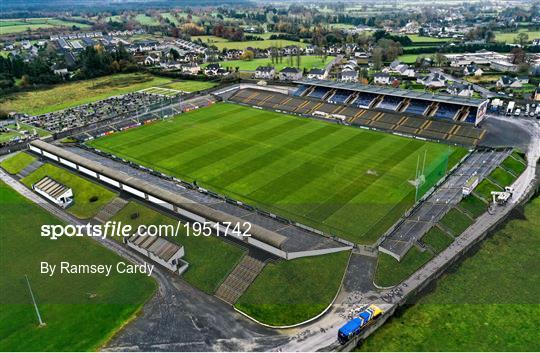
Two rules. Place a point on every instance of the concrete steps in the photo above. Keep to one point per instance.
(109, 210)
(239, 279)
(31, 168)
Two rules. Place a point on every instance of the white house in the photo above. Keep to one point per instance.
(290, 74)
(318, 74)
(265, 72)
(472, 69)
(191, 68)
(349, 75)
(513, 82)
(53, 191)
(381, 79)
(458, 89)
(435, 80)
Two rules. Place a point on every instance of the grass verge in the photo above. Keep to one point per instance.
(17, 162)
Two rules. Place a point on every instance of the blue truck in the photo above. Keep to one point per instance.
(355, 326)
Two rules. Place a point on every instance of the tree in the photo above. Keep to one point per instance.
(377, 58)
(440, 59)
(522, 38)
(247, 55)
(174, 54)
(518, 56)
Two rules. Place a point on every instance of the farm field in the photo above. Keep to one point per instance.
(81, 312)
(88, 197)
(222, 43)
(464, 311)
(76, 93)
(307, 61)
(210, 259)
(311, 171)
(419, 39)
(290, 292)
(409, 58)
(22, 25)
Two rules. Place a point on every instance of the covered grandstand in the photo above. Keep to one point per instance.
(436, 106)
(355, 112)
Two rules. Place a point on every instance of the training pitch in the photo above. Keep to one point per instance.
(346, 181)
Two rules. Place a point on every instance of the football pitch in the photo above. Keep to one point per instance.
(345, 181)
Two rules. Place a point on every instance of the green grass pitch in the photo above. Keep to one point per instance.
(343, 180)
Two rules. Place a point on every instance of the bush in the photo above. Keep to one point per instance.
(93, 198)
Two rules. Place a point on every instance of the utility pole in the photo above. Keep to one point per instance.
(41, 323)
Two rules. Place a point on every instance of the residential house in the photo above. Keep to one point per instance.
(290, 74)
(472, 69)
(265, 72)
(318, 74)
(381, 78)
(459, 89)
(434, 80)
(349, 75)
(512, 82)
(191, 68)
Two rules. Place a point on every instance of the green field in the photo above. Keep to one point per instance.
(515, 164)
(146, 20)
(437, 239)
(473, 205)
(222, 43)
(409, 58)
(88, 197)
(420, 39)
(307, 62)
(81, 312)
(210, 259)
(290, 292)
(390, 272)
(489, 303)
(17, 162)
(22, 25)
(511, 37)
(456, 221)
(81, 92)
(343, 180)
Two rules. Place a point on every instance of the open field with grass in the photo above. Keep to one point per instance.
(307, 61)
(88, 197)
(210, 259)
(22, 25)
(17, 162)
(222, 43)
(81, 92)
(420, 39)
(390, 272)
(81, 311)
(290, 292)
(409, 58)
(146, 20)
(189, 86)
(511, 37)
(488, 303)
(342, 180)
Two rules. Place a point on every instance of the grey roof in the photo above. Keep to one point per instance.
(265, 68)
(293, 70)
(256, 231)
(316, 71)
(156, 245)
(397, 92)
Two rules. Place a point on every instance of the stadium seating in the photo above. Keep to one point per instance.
(364, 100)
(301, 90)
(390, 103)
(471, 117)
(417, 107)
(318, 92)
(446, 111)
(340, 97)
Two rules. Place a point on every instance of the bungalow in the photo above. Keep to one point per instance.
(512, 82)
(459, 89)
(435, 80)
(472, 69)
(265, 72)
(318, 74)
(349, 75)
(191, 68)
(212, 69)
(381, 79)
(290, 74)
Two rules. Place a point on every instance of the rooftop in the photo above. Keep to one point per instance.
(397, 92)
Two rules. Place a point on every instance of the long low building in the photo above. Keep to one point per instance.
(285, 240)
